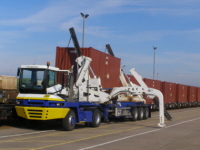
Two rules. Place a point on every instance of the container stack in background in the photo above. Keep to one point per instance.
(107, 67)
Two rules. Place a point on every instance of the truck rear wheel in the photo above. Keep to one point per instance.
(146, 112)
(140, 113)
(69, 121)
(134, 114)
(96, 118)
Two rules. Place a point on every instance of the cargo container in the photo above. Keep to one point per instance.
(156, 84)
(192, 96)
(103, 65)
(8, 82)
(198, 95)
(132, 79)
(182, 95)
(169, 93)
(8, 94)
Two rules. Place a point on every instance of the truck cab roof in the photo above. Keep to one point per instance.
(39, 67)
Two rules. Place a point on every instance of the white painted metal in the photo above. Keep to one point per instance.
(139, 92)
(87, 88)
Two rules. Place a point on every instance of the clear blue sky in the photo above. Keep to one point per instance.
(31, 30)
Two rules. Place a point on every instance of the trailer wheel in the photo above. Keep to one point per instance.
(134, 114)
(140, 113)
(96, 118)
(146, 113)
(69, 121)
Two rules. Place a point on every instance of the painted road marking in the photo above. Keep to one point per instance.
(138, 134)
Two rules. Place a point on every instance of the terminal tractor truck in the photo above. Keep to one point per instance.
(81, 98)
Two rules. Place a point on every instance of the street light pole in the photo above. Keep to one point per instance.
(154, 48)
(84, 17)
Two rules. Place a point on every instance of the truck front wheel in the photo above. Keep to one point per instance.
(69, 121)
(96, 118)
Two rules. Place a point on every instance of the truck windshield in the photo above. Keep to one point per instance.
(32, 81)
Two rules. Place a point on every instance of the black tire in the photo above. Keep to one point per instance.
(69, 121)
(140, 113)
(134, 114)
(146, 113)
(96, 118)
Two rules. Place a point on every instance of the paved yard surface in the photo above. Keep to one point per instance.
(183, 133)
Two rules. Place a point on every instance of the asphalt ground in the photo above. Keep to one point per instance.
(182, 133)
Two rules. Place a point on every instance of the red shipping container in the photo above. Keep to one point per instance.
(182, 92)
(104, 65)
(169, 92)
(132, 79)
(198, 94)
(156, 84)
(192, 94)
